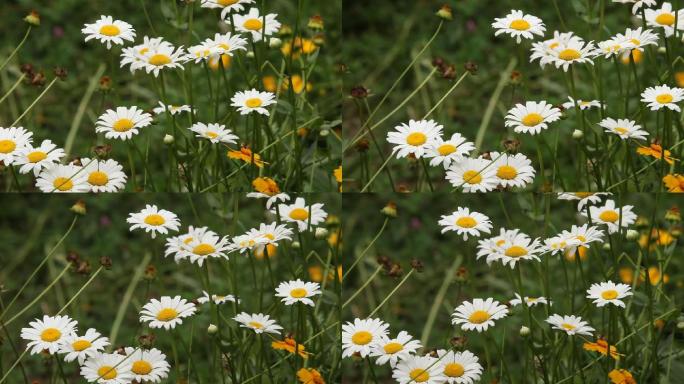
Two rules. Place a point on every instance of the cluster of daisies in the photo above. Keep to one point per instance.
(370, 338)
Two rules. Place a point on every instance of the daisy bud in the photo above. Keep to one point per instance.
(316, 22)
(250, 55)
(606, 247)
(295, 245)
(577, 134)
(632, 234)
(321, 233)
(445, 13)
(524, 331)
(673, 214)
(275, 42)
(79, 208)
(661, 50)
(324, 132)
(33, 18)
(390, 210)
(168, 139)
(212, 329)
(680, 325)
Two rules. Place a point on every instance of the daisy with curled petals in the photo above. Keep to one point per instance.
(392, 350)
(200, 244)
(216, 133)
(36, 159)
(107, 368)
(449, 151)
(464, 222)
(82, 347)
(637, 38)
(584, 198)
(532, 117)
(624, 128)
(154, 220)
(572, 325)
(109, 31)
(258, 322)
(245, 243)
(512, 246)
(479, 314)
(418, 369)
(252, 100)
(560, 243)
(148, 365)
(530, 301)
(415, 138)
(306, 217)
(461, 367)
(512, 170)
(612, 216)
(664, 17)
(48, 333)
(135, 56)
(256, 25)
(154, 56)
(272, 197)
(581, 237)
(637, 4)
(104, 175)
(172, 109)
(662, 96)
(362, 335)
(60, 178)
(217, 299)
(608, 293)
(614, 46)
(568, 51)
(473, 175)
(167, 312)
(273, 233)
(226, 44)
(519, 25)
(297, 291)
(13, 140)
(123, 122)
(226, 6)
(570, 104)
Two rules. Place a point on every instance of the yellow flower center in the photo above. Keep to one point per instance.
(567, 326)
(50, 334)
(479, 317)
(454, 370)
(665, 19)
(516, 251)
(519, 25)
(253, 24)
(664, 98)
(80, 345)
(472, 177)
(123, 125)
(106, 372)
(532, 119)
(620, 130)
(203, 249)
(609, 216)
(141, 367)
(155, 220)
(255, 324)
(635, 41)
(63, 184)
(392, 348)
(224, 46)
(298, 293)
(362, 338)
(226, 3)
(507, 172)
(159, 60)
(167, 314)
(299, 214)
(609, 294)
(569, 54)
(110, 30)
(416, 139)
(446, 149)
(581, 238)
(254, 102)
(7, 146)
(419, 375)
(466, 222)
(212, 134)
(98, 178)
(36, 156)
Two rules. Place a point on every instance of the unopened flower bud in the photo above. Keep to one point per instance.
(606, 246)
(680, 325)
(79, 208)
(524, 331)
(321, 233)
(212, 329)
(577, 134)
(250, 54)
(296, 245)
(632, 234)
(445, 13)
(33, 18)
(275, 42)
(168, 139)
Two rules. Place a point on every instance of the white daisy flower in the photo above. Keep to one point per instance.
(109, 31)
(664, 17)
(48, 333)
(581, 237)
(584, 198)
(569, 50)
(415, 138)
(59, 178)
(624, 128)
(572, 325)
(107, 368)
(154, 220)
(612, 47)
(167, 312)
(246, 242)
(173, 109)
(13, 140)
(638, 4)
(449, 151)
(530, 301)
(464, 222)
(512, 170)
(609, 293)
(198, 245)
(306, 217)
(570, 104)
(153, 56)
(519, 25)
(226, 43)
(637, 38)
(123, 122)
(510, 247)
(419, 369)
(273, 232)
(201, 52)
(135, 56)
(252, 100)
(479, 314)
(461, 367)
(255, 24)
(560, 243)
(662, 96)
(295, 291)
(148, 365)
(392, 350)
(362, 335)
(82, 347)
(532, 117)
(104, 175)
(473, 175)
(216, 133)
(258, 322)
(36, 159)
(227, 6)
(270, 199)
(217, 299)
(612, 216)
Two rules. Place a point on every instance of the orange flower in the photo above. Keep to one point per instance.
(297, 83)
(214, 62)
(638, 56)
(626, 275)
(316, 274)
(679, 79)
(270, 83)
(266, 185)
(338, 175)
(656, 150)
(245, 154)
(621, 376)
(260, 253)
(654, 275)
(310, 376)
(289, 345)
(658, 237)
(601, 346)
(581, 251)
(674, 182)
